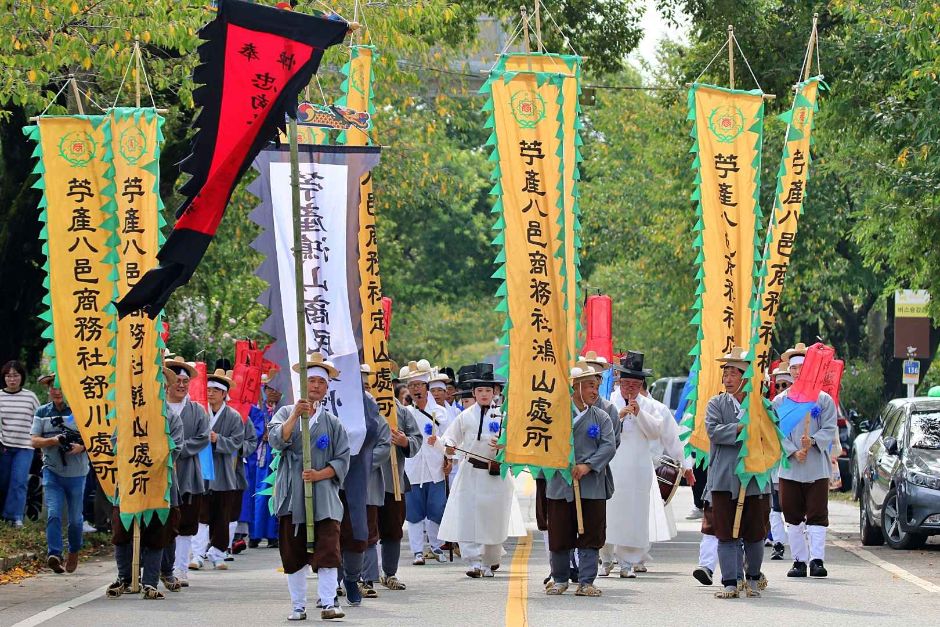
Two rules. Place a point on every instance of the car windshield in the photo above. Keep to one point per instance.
(925, 430)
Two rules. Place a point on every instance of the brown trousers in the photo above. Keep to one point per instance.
(809, 501)
(292, 544)
(391, 518)
(541, 504)
(216, 512)
(755, 519)
(153, 535)
(562, 521)
(190, 508)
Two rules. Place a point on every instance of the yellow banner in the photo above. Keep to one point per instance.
(73, 164)
(568, 67)
(143, 444)
(762, 437)
(528, 127)
(728, 130)
(374, 345)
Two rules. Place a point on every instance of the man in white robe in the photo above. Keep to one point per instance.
(482, 510)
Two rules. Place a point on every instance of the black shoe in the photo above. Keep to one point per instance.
(816, 569)
(272, 544)
(546, 580)
(777, 553)
(253, 543)
(703, 575)
(798, 570)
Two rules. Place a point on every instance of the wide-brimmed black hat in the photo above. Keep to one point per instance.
(631, 366)
(477, 375)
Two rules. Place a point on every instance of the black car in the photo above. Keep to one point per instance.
(900, 492)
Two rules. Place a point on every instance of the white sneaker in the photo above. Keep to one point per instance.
(87, 527)
(695, 514)
(627, 572)
(197, 563)
(418, 560)
(605, 569)
(438, 555)
(488, 572)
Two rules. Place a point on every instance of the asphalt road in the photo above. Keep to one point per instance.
(866, 586)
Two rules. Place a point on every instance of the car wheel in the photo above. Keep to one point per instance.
(856, 483)
(891, 525)
(869, 533)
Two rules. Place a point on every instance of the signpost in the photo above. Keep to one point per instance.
(911, 375)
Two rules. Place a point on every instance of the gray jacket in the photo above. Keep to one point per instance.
(249, 447)
(177, 435)
(380, 456)
(409, 426)
(823, 429)
(289, 486)
(226, 452)
(721, 423)
(195, 437)
(595, 452)
(611, 409)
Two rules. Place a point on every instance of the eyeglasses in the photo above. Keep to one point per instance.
(11, 375)
(782, 385)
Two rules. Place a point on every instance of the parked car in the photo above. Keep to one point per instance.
(900, 501)
(847, 432)
(668, 390)
(870, 431)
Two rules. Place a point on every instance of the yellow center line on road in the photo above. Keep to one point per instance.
(517, 599)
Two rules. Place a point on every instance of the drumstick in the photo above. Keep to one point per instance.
(738, 513)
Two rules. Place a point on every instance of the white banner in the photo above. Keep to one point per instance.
(323, 223)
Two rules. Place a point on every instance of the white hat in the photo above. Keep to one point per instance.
(416, 371)
(582, 370)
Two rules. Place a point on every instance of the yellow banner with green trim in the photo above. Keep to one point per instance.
(762, 442)
(528, 139)
(728, 132)
(143, 442)
(73, 167)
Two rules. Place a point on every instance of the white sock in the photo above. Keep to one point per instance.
(607, 553)
(777, 530)
(798, 546)
(297, 586)
(708, 552)
(432, 528)
(232, 526)
(215, 555)
(201, 540)
(548, 553)
(817, 542)
(416, 536)
(327, 580)
(183, 545)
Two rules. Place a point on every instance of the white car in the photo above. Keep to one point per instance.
(871, 431)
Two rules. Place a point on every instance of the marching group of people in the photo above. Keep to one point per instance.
(238, 483)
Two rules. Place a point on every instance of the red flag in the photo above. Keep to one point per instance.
(807, 387)
(255, 61)
(598, 313)
(198, 389)
(387, 312)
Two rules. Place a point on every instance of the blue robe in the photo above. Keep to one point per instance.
(261, 524)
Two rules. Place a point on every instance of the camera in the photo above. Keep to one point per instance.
(66, 436)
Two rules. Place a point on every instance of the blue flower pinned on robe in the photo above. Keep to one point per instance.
(494, 426)
(323, 441)
(428, 429)
(594, 431)
(815, 411)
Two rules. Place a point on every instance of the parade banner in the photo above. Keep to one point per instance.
(763, 436)
(255, 61)
(568, 67)
(329, 223)
(728, 133)
(528, 150)
(143, 440)
(74, 160)
(357, 89)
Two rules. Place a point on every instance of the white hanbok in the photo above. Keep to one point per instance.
(482, 508)
(628, 510)
(662, 519)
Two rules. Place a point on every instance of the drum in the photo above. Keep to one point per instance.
(668, 476)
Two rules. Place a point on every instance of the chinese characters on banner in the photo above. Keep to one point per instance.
(143, 443)
(728, 127)
(762, 437)
(569, 67)
(329, 226)
(528, 138)
(73, 165)
(374, 334)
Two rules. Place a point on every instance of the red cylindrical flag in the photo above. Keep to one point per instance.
(198, 391)
(598, 315)
(387, 311)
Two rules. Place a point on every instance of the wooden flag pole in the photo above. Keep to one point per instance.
(137, 68)
(731, 55)
(301, 323)
(739, 512)
(810, 47)
(135, 558)
(76, 95)
(577, 504)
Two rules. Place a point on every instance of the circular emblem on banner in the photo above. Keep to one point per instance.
(528, 108)
(726, 123)
(132, 144)
(801, 117)
(78, 148)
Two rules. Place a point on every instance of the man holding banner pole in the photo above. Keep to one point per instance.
(723, 425)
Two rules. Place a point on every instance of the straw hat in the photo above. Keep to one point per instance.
(47, 379)
(782, 370)
(175, 362)
(737, 358)
(221, 376)
(582, 370)
(316, 360)
(416, 371)
(797, 351)
(598, 362)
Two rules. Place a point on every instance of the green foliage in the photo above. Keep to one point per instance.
(445, 334)
(862, 387)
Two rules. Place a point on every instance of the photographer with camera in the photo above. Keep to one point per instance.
(64, 467)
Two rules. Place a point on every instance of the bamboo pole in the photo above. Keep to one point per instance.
(76, 95)
(301, 324)
(577, 505)
(538, 24)
(137, 68)
(810, 47)
(135, 558)
(731, 55)
(525, 28)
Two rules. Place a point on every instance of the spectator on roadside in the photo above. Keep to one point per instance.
(17, 407)
(64, 467)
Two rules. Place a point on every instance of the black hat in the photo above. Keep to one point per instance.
(477, 375)
(631, 366)
(449, 372)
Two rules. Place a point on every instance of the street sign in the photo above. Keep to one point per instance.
(911, 375)
(911, 324)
